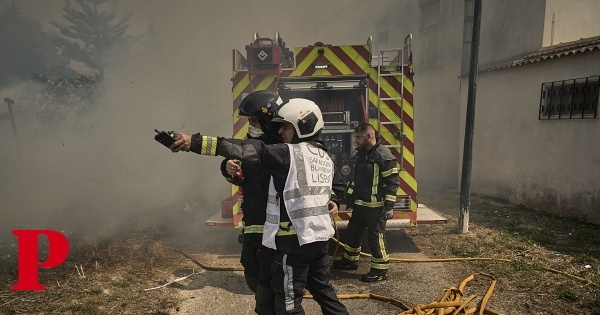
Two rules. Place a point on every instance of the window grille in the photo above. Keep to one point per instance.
(570, 99)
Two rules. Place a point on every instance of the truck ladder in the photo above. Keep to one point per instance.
(390, 64)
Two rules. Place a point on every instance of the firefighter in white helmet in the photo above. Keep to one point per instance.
(301, 200)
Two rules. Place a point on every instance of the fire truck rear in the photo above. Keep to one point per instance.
(351, 85)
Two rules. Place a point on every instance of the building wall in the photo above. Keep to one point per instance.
(573, 20)
(546, 165)
(549, 165)
(437, 53)
(510, 29)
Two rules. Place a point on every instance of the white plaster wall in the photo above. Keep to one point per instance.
(552, 166)
(572, 20)
(510, 29)
(438, 52)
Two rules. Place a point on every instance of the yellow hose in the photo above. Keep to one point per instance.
(407, 260)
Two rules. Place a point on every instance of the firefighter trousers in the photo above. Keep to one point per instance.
(257, 260)
(310, 269)
(373, 220)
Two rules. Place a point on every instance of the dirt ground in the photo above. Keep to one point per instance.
(110, 276)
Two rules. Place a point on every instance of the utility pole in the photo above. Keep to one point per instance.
(10, 102)
(465, 182)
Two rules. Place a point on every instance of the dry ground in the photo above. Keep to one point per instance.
(111, 274)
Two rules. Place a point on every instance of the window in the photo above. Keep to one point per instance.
(570, 99)
(430, 14)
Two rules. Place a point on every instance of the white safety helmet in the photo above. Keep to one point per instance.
(304, 114)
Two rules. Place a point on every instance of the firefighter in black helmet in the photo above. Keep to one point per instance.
(258, 107)
(301, 200)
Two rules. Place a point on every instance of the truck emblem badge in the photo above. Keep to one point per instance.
(262, 55)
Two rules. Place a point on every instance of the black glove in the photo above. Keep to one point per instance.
(388, 214)
(388, 210)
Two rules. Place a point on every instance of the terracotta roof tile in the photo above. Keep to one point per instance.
(554, 51)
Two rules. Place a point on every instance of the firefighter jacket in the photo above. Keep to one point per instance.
(305, 195)
(376, 179)
(276, 160)
(255, 181)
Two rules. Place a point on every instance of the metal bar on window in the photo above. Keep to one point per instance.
(575, 96)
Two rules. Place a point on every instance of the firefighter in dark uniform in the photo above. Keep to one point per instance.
(298, 225)
(255, 257)
(372, 195)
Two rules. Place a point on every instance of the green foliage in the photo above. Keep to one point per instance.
(94, 37)
(65, 100)
(25, 48)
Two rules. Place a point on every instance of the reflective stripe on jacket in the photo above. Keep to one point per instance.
(306, 194)
(376, 177)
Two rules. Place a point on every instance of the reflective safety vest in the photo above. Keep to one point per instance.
(305, 196)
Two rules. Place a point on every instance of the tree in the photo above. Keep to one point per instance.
(25, 48)
(95, 38)
(65, 101)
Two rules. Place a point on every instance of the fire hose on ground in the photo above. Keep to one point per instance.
(452, 302)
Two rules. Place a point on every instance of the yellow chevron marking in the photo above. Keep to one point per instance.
(264, 84)
(408, 108)
(385, 86)
(307, 62)
(387, 135)
(361, 62)
(409, 157)
(408, 179)
(336, 62)
(401, 192)
(387, 111)
(242, 132)
(241, 86)
(409, 133)
(321, 73)
(374, 123)
(408, 84)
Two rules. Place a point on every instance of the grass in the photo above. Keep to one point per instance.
(114, 275)
(118, 269)
(533, 241)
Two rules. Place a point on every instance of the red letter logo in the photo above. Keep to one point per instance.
(58, 250)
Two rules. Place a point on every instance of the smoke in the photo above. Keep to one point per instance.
(105, 174)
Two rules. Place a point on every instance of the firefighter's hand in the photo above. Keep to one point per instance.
(183, 142)
(232, 167)
(388, 214)
(333, 209)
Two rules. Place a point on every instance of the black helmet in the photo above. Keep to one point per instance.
(259, 104)
(262, 105)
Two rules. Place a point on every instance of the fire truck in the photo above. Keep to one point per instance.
(351, 85)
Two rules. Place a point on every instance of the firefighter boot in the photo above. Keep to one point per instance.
(345, 264)
(375, 275)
